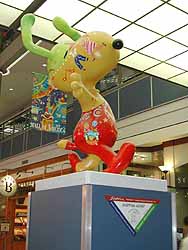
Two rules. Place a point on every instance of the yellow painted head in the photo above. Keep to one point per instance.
(92, 55)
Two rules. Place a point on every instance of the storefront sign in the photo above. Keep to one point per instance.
(181, 174)
(8, 186)
(25, 187)
(133, 212)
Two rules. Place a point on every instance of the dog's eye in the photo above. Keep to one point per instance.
(65, 54)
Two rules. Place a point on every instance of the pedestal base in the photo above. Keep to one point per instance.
(98, 211)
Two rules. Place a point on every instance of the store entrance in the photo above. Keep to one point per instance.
(16, 216)
(20, 223)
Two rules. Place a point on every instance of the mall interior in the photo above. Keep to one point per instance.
(147, 92)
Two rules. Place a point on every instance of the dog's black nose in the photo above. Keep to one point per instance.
(117, 44)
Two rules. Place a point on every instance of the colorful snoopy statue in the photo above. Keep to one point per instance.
(76, 68)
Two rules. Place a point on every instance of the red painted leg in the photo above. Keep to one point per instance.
(122, 160)
(74, 159)
(71, 146)
(102, 151)
(116, 162)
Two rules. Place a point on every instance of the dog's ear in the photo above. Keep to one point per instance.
(27, 22)
(61, 25)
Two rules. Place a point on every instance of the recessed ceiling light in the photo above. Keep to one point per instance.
(11, 89)
(10, 130)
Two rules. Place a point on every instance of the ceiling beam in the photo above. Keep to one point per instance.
(15, 49)
(12, 52)
(30, 9)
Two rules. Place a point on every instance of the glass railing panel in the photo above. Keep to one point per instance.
(112, 99)
(18, 144)
(6, 148)
(48, 137)
(165, 91)
(33, 139)
(135, 97)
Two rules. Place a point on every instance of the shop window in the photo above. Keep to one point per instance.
(20, 221)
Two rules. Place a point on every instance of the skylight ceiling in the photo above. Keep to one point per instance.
(71, 10)
(20, 4)
(8, 15)
(155, 32)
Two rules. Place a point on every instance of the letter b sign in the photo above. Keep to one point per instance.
(8, 186)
